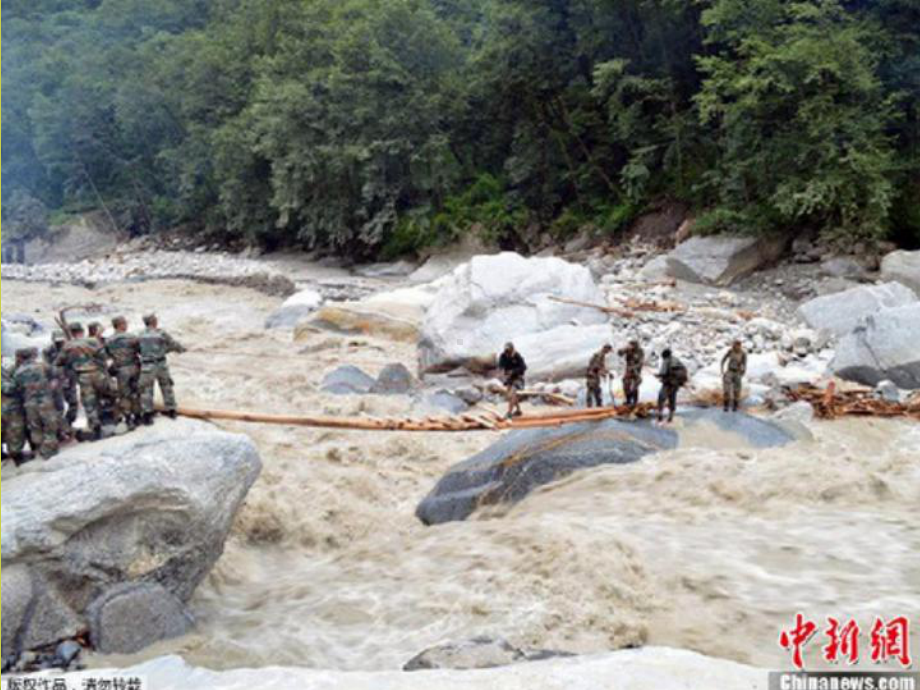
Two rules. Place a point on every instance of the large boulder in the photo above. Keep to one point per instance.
(394, 315)
(883, 346)
(521, 461)
(494, 299)
(564, 352)
(524, 460)
(722, 259)
(296, 309)
(841, 312)
(903, 267)
(134, 615)
(155, 506)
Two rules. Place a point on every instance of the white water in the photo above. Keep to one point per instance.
(713, 550)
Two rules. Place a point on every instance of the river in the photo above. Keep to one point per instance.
(712, 547)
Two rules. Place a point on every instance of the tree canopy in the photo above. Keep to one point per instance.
(376, 127)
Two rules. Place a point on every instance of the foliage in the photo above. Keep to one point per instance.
(370, 128)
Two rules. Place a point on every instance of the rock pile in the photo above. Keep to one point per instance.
(222, 269)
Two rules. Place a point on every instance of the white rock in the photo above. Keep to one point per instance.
(295, 309)
(903, 267)
(841, 312)
(495, 299)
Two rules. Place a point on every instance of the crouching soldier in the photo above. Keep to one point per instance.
(86, 360)
(14, 419)
(154, 345)
(33, 380)
(124, 351)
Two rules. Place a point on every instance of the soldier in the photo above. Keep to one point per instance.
(154, 346)
(597, 370)
(65, 388)
(513, 368)
(673, 375)
(734, 367)
(14, 418)
(124, 350)
(85, 358)
(94, 330)
(632, 377)
(32, 378)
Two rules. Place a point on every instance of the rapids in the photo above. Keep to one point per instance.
(713, 547)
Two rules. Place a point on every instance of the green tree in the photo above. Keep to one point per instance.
(802, 117)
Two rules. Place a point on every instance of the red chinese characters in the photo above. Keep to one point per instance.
(891, 641)
(844, 642)
(796, 639)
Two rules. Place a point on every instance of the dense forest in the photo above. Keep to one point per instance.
(378, 127)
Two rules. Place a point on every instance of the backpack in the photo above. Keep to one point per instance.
(679, 374)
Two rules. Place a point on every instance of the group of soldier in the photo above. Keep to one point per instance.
(113, 377)
(672, 374)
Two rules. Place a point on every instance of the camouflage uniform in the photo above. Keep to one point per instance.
(124, 349)
(597, 368)
(632, 377)
(65, 390)
(85, 358)
(33, 379)
(734, 367)
(671, 374)
(14, 417)
(154, 345)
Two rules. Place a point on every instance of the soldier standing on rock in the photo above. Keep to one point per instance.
(154, 345)
(33, 380)
(85, 358)
(513, 368)
(124, 350)
(14, 419)
(632, 377)
(734, 367)
(673, 375)
(65, 388)
(597, 370)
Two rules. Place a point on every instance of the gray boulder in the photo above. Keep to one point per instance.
(132, 616)
(442, 401)
(295, 310)
(844, 267)
(723, 259)
(521, 461)
(155, 506)
(840, 313)
(885, 345)
(395, 379)
(348, 380)
(903, 267)
(493, 299)
(478, 653)
(524, 460)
